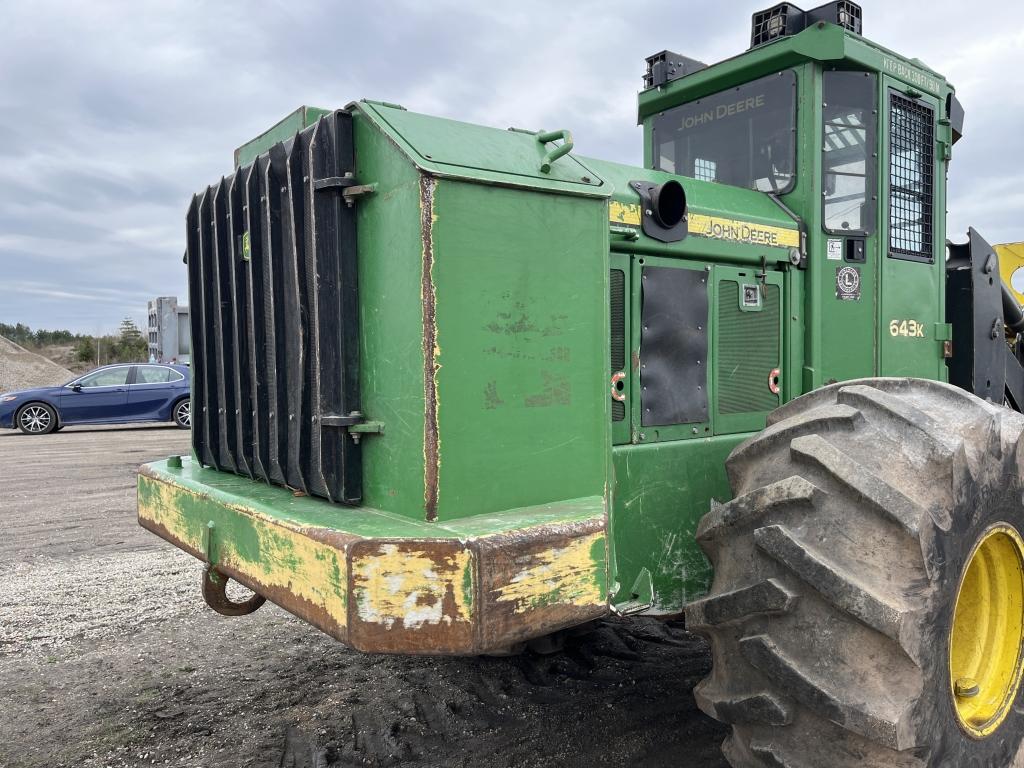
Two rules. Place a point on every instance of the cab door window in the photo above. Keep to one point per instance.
(849, 159)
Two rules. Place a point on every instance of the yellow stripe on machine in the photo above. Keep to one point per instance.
(743, 231)
(716, 227)
(624, 213)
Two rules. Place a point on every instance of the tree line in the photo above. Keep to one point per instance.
(24, 336)
(128, 345)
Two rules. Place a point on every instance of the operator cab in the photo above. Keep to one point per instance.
(851, 138)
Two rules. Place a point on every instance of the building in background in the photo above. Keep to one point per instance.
(169, 335)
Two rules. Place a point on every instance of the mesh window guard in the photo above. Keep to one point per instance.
(911, 182)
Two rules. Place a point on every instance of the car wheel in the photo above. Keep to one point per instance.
(37, 419)
(183, 413)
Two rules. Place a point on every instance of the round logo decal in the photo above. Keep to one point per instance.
(848, 283)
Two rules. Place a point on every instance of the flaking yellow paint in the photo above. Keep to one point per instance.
(624, 213)
(291, 560)
(158, 506)
(563, 575)
(393, 584)
(288, 558)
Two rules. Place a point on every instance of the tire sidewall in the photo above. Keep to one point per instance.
(53, 418)
(993, 501)
(174, 413)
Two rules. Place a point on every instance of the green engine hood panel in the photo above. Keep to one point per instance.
(450, 148)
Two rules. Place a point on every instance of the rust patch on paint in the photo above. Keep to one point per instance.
(412, 596)
(561, 574)
(283, 562)
(539, 580)
(418, 586)
(428, 295)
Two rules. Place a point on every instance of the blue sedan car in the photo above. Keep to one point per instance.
(113, 394)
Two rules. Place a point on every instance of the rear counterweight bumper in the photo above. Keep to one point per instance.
(381, 582)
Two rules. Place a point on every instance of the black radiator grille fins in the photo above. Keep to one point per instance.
(271, 258)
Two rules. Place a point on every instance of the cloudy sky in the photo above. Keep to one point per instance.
(112, 114)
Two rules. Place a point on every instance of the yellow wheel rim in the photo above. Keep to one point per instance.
(985, 647)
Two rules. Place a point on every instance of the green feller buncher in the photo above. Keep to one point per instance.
(457, 388)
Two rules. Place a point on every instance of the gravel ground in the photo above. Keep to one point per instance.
(108, 656)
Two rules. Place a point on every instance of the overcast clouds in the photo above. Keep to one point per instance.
(112, 114)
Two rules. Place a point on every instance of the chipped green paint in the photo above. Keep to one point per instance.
(558, 575)
(303, 552)
(259, 500)
(275, 557)
(468, 589)
(599, 559)
(664, 489)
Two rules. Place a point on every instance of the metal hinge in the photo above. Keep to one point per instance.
(366, 428)
(354, 422)
(350, 190)
(351, 194)
(338, 420)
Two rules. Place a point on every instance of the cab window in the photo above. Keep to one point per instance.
(848, 151)
(745, 136)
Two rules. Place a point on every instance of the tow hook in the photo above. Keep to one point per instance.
(215, 594)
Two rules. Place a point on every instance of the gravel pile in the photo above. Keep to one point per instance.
(21, 369)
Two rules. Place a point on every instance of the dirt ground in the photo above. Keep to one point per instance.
(108, 656)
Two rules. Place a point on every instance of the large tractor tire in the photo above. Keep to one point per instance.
(868, 599)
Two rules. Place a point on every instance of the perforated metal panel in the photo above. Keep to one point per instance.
(748, 350)
(911, 182)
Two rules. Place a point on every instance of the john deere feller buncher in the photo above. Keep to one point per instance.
(456, 388)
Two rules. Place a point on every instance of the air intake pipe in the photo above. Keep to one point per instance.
(664, 209)
(668, 203)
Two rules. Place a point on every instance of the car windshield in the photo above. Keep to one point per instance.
(744, 136)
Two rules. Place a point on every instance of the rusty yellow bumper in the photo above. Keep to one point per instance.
(384, 583)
